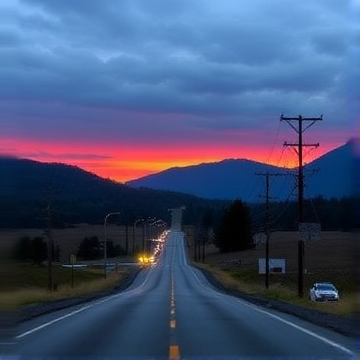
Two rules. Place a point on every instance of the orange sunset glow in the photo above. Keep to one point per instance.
(124, 163)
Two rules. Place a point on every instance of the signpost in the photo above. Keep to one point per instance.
(308, 232)
(72, 262)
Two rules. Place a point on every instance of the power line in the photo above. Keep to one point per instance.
(267, 229)
(298, 147)
(49, 211)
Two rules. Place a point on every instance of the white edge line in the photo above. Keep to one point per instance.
(52, 322)
(257, 308)
(81, 309)
(309, 332)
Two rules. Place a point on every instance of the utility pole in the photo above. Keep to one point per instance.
(49, 192)
(299, 150)
(267, 223)
(127, 238)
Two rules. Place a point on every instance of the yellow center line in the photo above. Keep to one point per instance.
(174, 353)
(174, 350)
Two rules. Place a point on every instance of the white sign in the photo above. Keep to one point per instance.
(309, 231)
(276, 266)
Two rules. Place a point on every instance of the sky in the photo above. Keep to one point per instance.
(129, 88)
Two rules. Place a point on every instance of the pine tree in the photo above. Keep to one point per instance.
(234, 232)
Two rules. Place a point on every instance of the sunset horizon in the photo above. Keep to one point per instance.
(123, 171)
(153, 87)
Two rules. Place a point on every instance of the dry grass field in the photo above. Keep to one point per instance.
(332, 258)
(69, 239)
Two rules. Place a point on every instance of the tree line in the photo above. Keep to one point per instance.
(230, 228)
(36, 250)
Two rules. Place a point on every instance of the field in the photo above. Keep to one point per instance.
(69, 239)
(334, 258)
(29, 285)
(23, 284)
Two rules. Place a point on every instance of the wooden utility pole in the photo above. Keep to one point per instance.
(49, 192)
(267, 223)
(299, 150)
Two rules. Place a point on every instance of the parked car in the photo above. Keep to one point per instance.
(323, 292)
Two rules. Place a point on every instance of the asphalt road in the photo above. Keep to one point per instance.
(171, 311)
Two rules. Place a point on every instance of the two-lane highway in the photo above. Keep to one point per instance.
(171, 312)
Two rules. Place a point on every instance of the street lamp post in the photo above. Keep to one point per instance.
(105, 250)
(150, 231)
(134, 227)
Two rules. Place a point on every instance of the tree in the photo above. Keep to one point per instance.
(34, 250)
(22, 251)
(113, 250)
(38, 250)
(89, 248)
(202, 234)
(234, 232)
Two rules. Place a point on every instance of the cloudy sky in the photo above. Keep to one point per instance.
(125, 88)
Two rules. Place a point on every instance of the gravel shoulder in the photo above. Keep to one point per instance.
(349, 327)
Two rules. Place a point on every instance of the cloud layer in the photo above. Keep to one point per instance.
(174, 72)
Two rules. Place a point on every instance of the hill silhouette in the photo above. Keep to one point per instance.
(331, 175)
(79, 196)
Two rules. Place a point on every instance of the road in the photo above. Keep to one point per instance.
(171, 312)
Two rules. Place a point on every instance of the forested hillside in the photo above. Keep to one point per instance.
(77, 196)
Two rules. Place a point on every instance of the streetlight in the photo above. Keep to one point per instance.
(150, 221)
(105, 255)
(134, 227)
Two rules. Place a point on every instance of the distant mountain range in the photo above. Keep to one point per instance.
(77, 196)
(329, 176)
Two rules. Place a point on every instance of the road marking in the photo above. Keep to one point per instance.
(257, 308)
(174, 349)
(174, 352)
(308, 332)
(52, 322)
(96, 302)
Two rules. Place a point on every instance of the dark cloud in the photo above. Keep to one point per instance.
(199, 58)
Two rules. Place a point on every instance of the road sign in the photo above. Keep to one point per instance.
(72, 259)
(276, 266)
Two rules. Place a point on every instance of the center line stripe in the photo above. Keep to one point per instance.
(174, 353)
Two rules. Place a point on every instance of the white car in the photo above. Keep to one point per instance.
(323, 292)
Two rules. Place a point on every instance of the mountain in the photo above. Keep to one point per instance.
(331, 175)
(79, 196)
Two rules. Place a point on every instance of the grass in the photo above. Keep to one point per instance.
(249, 282)
(331, 258)
(29, 284)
